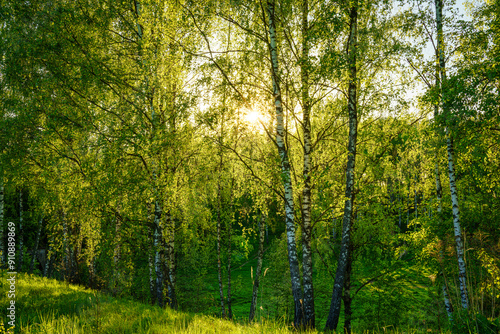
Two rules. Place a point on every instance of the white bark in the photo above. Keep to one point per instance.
(285, 171)
(157, 241)
(456, 228)
(307, 267)
(47, 262)
(447, 303)
(451, 167)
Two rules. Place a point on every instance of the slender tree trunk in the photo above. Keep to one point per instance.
(347, 295)
(256, 282)
(451, 167)
(457, 228)
(229, 254)
(447, 304)
(20, 233)
(285, 170)
(171, 265)
(157, 242)
(47, 262)
(150, 255)
(219, 264)
(333, 316)
(66, 248)
(307, 266)
(37, 241)
(439, 191)
(151, 278)
(416, 198)
(117, 256)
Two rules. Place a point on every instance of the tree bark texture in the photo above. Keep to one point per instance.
(229, 254)
(307, 267)
(157, 242)
(347, 295)
(451, 167)
(447, 304)
(335, 305)
(171, 265)
(285, 172)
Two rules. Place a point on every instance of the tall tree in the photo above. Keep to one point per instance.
(285, 169)
(258, 269)
(343, 260)
(307, 269)
(445, 99)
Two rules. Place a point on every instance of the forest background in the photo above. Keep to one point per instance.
(244, 158)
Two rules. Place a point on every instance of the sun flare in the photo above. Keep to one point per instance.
(253, 117)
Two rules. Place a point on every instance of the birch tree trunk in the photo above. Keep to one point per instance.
(333, 316)
(171, 265)
(451, 167)
(439, 190)
(37, 241)
(347, 295)
(151, 278)
(65, 247)
(47, 262)
(229, 254)
(307, 270)
(117, 256)
(447, 304)
(285, 170)
(92, 272)
(150, 255)
(157, 241)
(256, 282)
(219, 264)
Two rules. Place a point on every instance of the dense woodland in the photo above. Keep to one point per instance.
(331, 163)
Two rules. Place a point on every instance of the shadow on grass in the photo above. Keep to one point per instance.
(49, 306)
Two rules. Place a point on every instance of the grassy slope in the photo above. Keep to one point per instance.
(48, 306)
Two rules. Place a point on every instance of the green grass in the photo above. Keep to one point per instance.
(48, 306)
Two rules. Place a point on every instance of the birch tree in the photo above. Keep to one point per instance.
(309, 315)
(258, 269)
(285, 170)
(444, 103)
(333, 315)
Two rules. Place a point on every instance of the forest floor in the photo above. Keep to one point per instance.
(49, 306)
